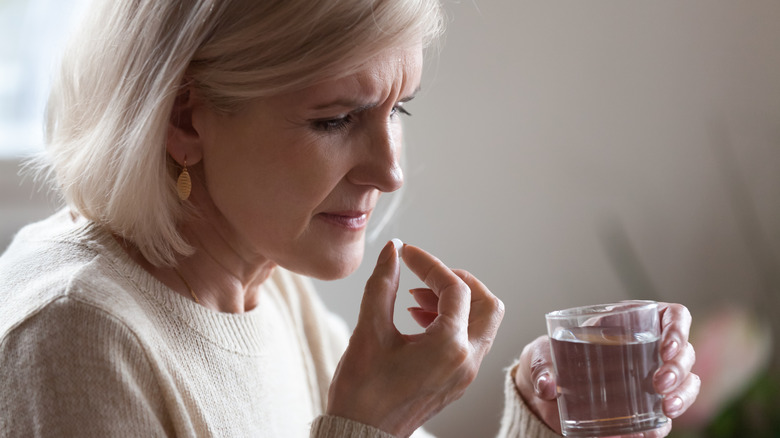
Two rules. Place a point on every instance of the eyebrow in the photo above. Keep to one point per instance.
(357, 105)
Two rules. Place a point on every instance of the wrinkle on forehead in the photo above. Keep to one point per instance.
(392, 69)
(386, 76)
(390, 76)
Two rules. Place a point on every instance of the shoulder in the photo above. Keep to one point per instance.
(71, 348)
(71, 331)
(61, 266)
(69, 343)
(71, 368)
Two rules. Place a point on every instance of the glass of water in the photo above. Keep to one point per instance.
(605, 357)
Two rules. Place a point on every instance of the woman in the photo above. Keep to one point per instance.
(213, 155)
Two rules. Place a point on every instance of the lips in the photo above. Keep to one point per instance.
(350, 220)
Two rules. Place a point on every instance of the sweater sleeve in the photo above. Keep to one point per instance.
(329, 426)
(70, 369)
(518, 420)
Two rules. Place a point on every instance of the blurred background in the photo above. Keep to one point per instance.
(565, 153)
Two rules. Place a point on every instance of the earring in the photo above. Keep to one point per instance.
(184, 184)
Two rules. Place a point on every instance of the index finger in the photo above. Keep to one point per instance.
(454, 295)
(675, 328)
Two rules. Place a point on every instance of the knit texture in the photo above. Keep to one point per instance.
(91, 345)
(518, 420)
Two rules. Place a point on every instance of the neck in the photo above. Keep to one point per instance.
(222, 277)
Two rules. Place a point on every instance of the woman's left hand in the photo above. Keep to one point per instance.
(534, 376)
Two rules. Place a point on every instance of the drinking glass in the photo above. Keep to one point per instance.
(604, 358)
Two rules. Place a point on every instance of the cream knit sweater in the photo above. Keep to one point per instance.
(91, 345)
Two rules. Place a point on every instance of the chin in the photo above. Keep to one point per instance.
(331, 265)
(337, 269)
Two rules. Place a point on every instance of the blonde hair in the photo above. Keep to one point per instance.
(108, 112)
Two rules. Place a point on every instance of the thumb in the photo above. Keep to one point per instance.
(542, 374)
(378, 303)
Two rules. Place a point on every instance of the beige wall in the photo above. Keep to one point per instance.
(576, 152)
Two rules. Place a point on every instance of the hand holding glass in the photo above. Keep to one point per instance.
(604, 358)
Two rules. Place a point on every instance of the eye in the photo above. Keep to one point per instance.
(399, 109)
(331, 125)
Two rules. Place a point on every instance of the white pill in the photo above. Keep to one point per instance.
(399, 245)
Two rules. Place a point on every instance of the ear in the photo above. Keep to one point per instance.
(184, 141)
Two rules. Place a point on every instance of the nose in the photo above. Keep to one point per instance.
(379, 163)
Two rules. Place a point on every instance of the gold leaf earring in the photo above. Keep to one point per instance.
(184, 184)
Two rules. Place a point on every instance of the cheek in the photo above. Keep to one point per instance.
(307, 173)
(282, 181)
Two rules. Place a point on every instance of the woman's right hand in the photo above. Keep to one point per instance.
(396, 382)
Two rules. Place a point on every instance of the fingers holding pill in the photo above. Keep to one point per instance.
(417, 374)
(485, 310)
(399, 246)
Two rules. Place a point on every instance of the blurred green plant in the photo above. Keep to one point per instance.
(755, 414)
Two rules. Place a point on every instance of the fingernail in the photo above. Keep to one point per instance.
(670, 349)
(666, 381)
(542, 386)
(673, 406)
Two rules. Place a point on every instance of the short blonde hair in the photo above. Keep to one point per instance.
(108, 112)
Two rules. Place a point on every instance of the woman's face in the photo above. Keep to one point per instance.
(293, 179)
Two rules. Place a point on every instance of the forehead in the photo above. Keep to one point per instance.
(395, 64)
(395, 72)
